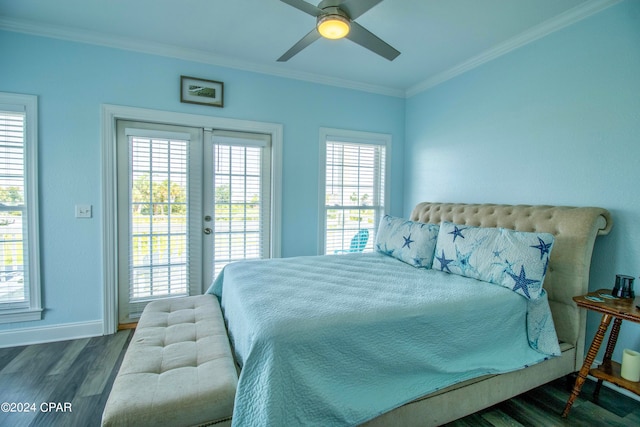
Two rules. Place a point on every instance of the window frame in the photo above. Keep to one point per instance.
(354, 137)
(32, 309)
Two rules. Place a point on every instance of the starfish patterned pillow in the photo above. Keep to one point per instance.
(409, 241)
(514, 259)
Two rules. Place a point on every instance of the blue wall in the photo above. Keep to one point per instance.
(73, 80)
(555, 122)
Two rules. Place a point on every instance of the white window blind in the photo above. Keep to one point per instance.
(242, 197)
(158, 216)
(19, 264)
(354, 190)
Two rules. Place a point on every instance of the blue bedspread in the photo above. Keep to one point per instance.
(338, 340)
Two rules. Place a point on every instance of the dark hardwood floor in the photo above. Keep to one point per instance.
(67, 384)
(542, 406)
(77, 373)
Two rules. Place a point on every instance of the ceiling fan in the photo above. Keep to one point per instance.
(335, 20)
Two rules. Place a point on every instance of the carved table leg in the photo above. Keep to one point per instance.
(611, 345)
(588, 361)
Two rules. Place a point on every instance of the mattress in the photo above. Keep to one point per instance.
(337, 340)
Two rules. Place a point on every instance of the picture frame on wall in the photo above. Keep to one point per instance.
(201, 91)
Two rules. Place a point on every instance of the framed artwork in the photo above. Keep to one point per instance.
(201, 91)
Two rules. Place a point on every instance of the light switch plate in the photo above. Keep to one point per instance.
(83, 211)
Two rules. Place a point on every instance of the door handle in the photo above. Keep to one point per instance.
(207, 231)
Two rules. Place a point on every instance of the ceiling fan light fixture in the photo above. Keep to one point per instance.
(333, 26)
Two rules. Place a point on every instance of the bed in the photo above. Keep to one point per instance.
(374, 339)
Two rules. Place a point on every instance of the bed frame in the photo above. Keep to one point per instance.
(575, 230)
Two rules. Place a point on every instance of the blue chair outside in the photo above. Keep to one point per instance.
(358, 242)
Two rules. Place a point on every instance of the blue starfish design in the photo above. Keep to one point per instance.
(522, 282)
(463, 261)
(505, 265)
(508, 266)
(444, 262)
(407, 241)
(544, 247)
(385, 251)
(457, 232)
(497, 253)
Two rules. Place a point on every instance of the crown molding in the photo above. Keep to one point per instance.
(552, 25)
(556, 23)
(100, 39)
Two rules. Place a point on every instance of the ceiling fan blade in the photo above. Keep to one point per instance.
(355, 8)
(304, 6)
(365, 38)
(304, 42)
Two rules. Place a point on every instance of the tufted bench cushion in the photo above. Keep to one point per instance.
(178, 369)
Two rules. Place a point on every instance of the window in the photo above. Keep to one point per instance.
(353, 193)
(19, 261)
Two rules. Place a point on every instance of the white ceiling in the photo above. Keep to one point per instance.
(437, 38)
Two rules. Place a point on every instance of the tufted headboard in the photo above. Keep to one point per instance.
(574, 229)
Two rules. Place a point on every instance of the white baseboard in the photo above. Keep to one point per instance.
(69, 331)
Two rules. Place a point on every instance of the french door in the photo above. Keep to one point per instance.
(190, 200)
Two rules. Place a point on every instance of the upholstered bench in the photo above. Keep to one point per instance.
(178, 369)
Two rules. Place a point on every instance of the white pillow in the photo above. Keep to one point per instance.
(513, 259)
(409, 241)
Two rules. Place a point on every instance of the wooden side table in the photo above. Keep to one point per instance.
(611, 308)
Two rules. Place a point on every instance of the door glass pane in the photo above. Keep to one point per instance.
(158, 218)
(239, 207)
